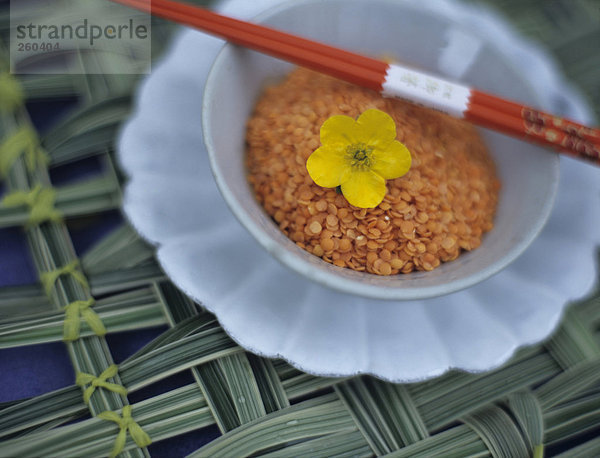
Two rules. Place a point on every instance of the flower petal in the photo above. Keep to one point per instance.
(338, 130)
(326, 166)
(363, 188)
(375, 128)
(391, 162)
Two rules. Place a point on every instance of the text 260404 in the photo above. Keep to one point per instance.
(45, 46)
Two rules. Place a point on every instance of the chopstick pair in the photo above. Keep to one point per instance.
(390, 80)
(519, 120)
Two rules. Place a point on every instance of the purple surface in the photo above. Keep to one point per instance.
(16, 265)
(34, 370)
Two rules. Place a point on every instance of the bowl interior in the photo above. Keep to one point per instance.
(420, 37)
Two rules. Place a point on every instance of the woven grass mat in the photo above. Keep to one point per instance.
(546, 399)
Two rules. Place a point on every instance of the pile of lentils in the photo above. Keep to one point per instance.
(442, 206)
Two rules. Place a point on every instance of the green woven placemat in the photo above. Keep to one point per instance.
(546, 394)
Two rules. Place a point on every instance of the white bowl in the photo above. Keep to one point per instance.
(529, 174)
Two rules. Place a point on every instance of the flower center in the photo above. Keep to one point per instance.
(359, 155)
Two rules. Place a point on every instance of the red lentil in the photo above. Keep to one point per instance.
(442, 206)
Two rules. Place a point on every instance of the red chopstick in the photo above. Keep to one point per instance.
(519, 120)
(354, 68)
(390, 79)
(532, 116)
(519, 127)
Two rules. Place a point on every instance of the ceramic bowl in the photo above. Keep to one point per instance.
(529, 174)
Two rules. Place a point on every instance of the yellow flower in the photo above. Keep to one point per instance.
(359, 155)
